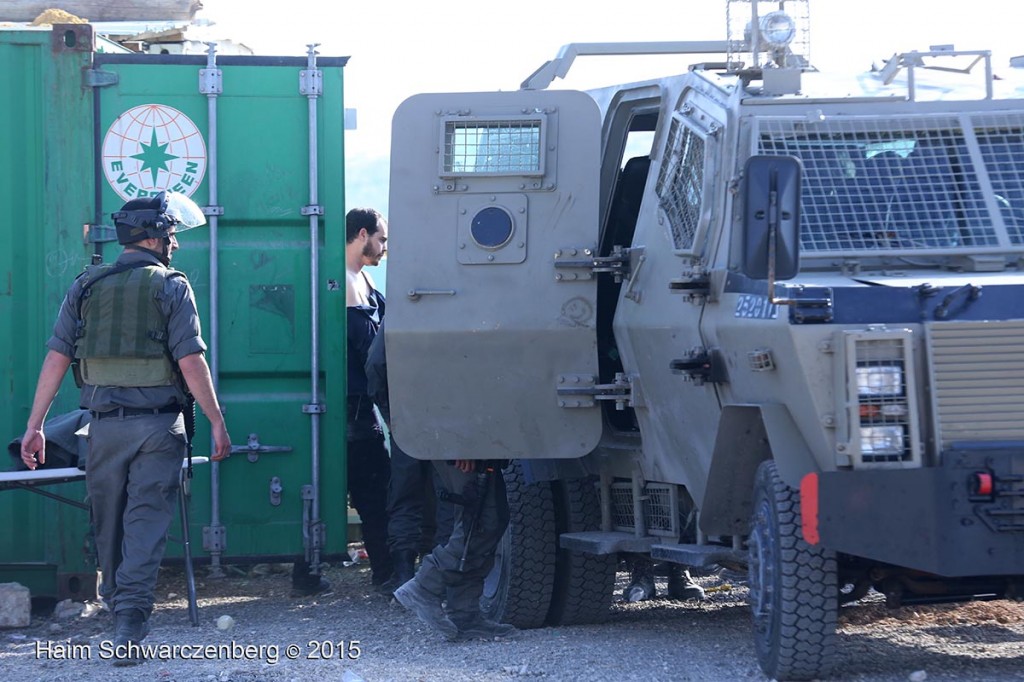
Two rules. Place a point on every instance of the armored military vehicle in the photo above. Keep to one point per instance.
(752, 316)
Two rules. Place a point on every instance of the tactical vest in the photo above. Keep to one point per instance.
(122, 335)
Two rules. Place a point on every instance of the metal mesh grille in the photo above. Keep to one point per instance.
(507, 146)
(1002, 149)
(881, 384)
(660, 509)
(622, 506)
(660, 505)
(978, 369)
(681, 184)
(911, 183)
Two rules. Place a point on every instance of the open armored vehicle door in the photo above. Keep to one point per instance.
(490, 332)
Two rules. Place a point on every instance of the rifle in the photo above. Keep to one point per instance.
(189, 413)
(484, 472)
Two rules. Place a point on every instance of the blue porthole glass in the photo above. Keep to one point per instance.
(491, 227)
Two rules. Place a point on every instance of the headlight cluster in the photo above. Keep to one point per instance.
(883, 410)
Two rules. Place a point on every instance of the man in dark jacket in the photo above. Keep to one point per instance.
(369, 469)
(417, 520)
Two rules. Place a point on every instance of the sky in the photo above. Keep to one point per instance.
(398, 49)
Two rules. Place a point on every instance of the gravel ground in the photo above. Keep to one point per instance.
(354, 634)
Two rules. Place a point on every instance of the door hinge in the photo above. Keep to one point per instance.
(694, 286)
(700, 366)
(584, 264)
(99, 234)
(582, 390)
(810, 304)
(97, 78)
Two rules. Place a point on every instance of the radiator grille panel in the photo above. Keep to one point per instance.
(979, 380)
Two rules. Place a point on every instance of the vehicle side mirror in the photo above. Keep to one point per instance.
(771, 218)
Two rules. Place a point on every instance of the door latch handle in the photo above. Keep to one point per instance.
(414, 294)
(253, 449)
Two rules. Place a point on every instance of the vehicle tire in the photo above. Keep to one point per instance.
(518, 589)
(793, 586)
(584, 583)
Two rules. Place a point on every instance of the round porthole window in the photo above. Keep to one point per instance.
(491, 228)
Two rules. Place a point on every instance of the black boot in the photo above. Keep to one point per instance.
(681, 585)
(641, 585)
(427, 607)
(306, 584)
(130, 627)
(404, 568)
(480, 627)
(463, 609)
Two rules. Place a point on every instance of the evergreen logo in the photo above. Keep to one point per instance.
(152, 148)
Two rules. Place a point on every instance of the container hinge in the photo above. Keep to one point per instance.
(213, 210)
(97, 78)
(314, 408)
(581, 390)
(808, 305)
(312, 209)
(253, 449)
(701, 366)
(619, 264)
(99, 234)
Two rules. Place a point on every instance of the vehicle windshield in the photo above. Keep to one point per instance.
(913, 184)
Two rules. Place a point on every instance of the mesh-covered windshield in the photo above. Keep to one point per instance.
(914, 183)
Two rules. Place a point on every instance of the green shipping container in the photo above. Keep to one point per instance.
(258, 142)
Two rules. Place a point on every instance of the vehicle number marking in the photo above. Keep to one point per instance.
(756, 307)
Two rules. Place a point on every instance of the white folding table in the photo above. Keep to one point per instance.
(34, 481)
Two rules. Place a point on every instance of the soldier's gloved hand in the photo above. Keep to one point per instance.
(465, 465)
(33, 448)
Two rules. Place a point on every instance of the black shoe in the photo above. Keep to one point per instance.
(427, 608)
(682, 587)
(311, 588)
(482, 628)
(130, 627)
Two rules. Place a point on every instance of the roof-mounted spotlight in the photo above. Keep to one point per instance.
(777, 30)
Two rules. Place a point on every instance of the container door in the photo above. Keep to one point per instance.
(490, 329)
(45, 198)
(154, 132)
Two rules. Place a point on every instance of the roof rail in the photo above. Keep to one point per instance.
(912, 60)
(559, 66)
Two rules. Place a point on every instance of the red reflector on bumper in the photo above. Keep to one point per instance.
(809, 508)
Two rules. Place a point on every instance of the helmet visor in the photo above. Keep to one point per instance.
(184, 212)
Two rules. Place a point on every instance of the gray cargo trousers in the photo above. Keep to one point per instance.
(440, 571)
(132, 476)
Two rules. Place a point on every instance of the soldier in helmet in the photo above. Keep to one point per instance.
(445, 592)
(133, 328)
